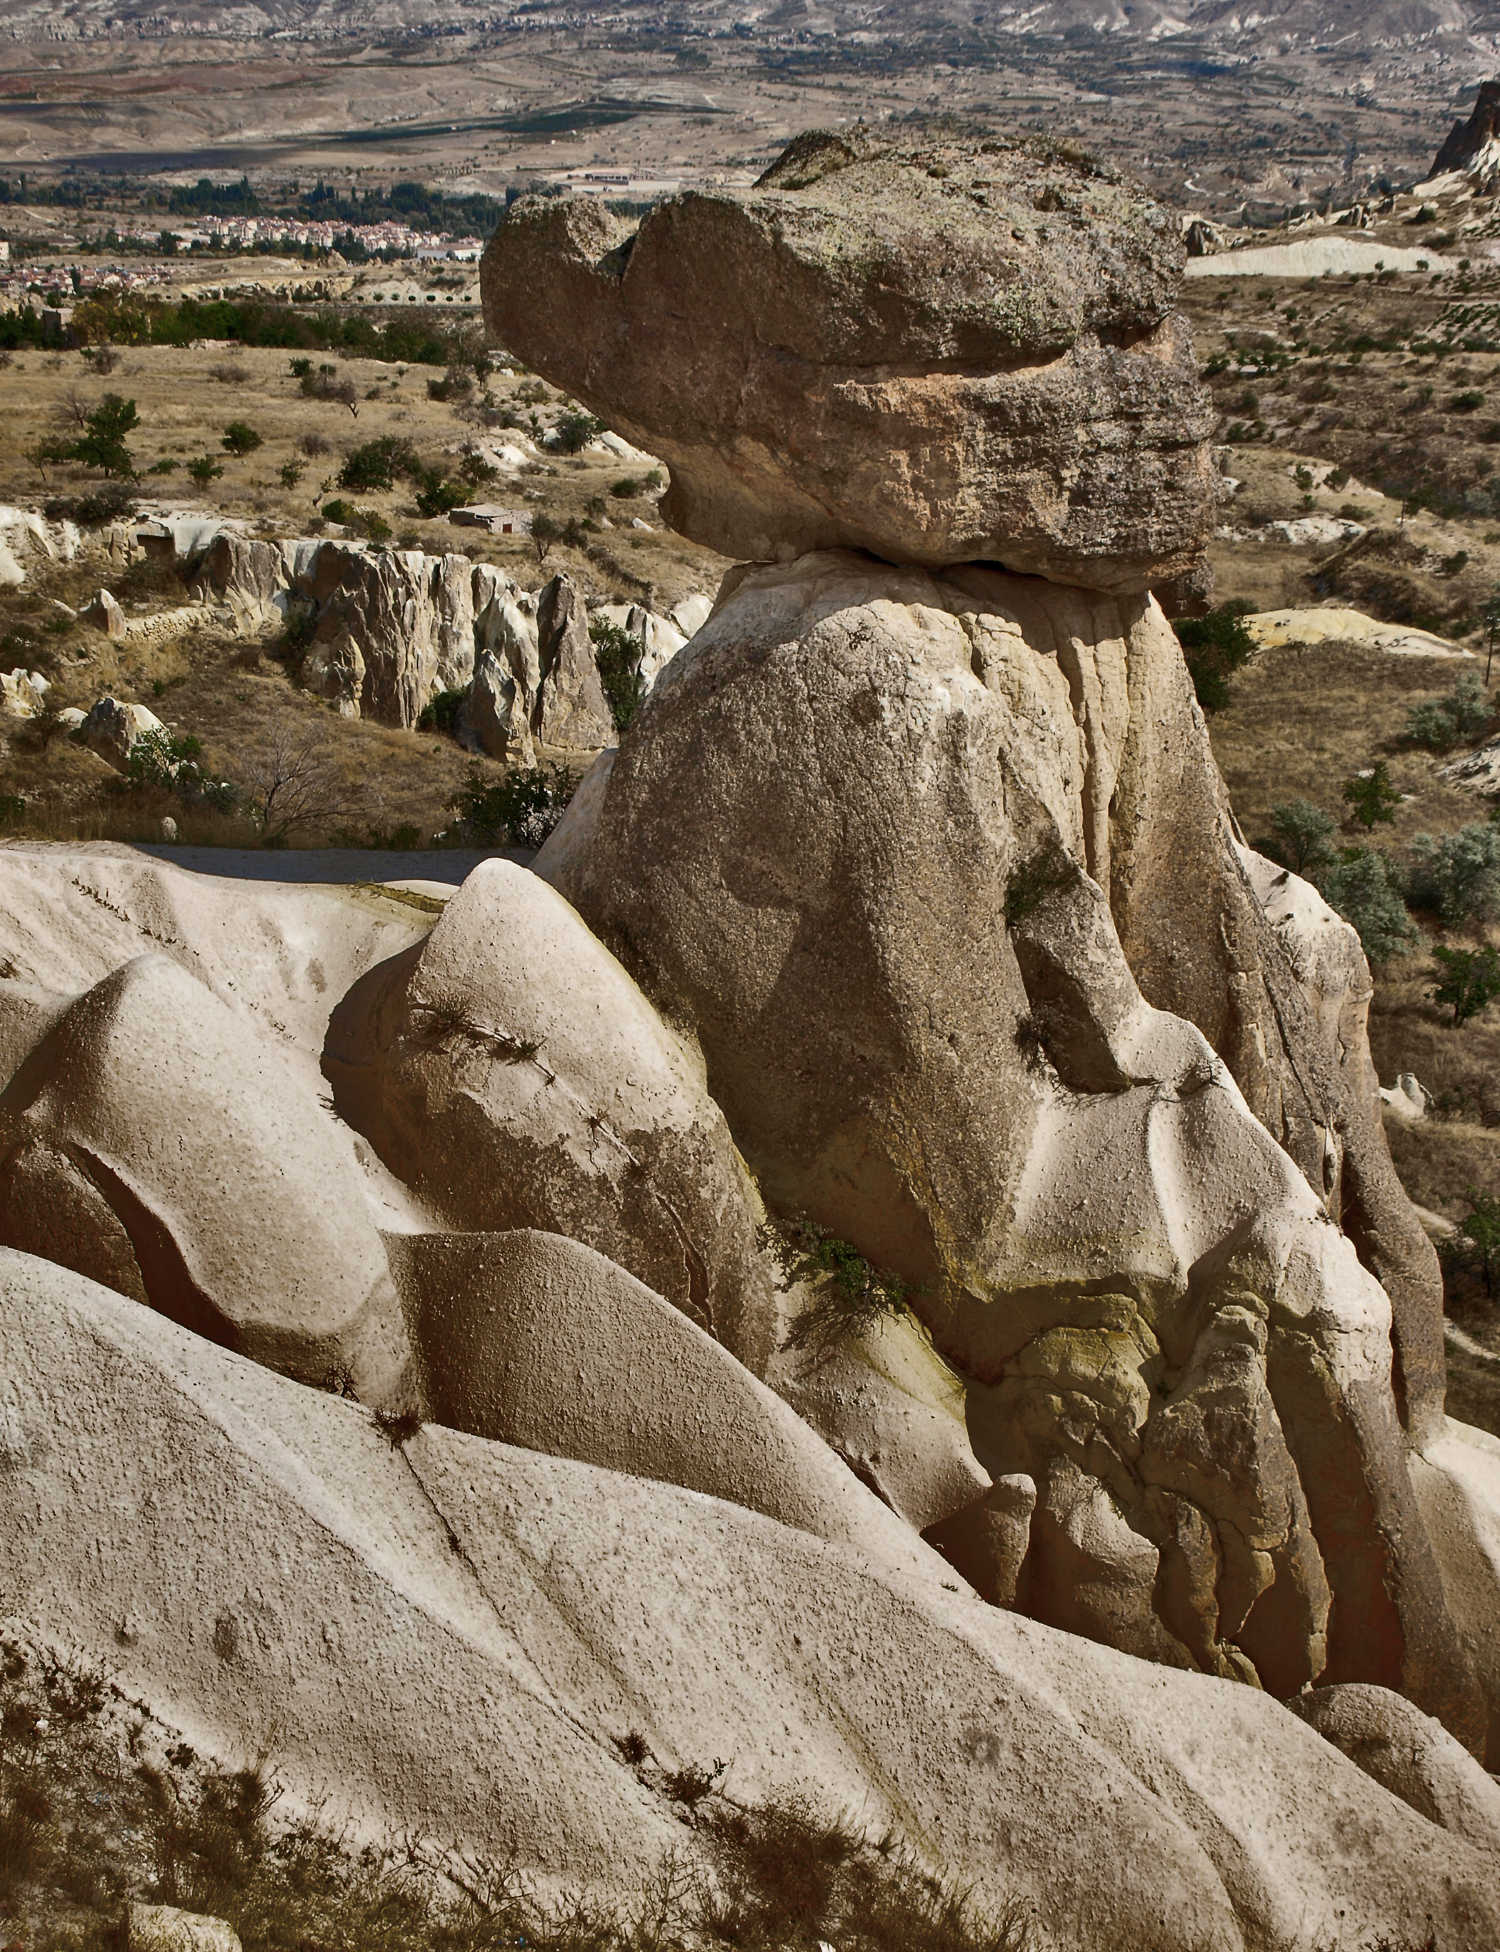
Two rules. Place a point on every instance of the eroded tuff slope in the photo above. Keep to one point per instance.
(916, 1009)
(452, 1638)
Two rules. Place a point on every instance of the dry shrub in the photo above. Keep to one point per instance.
(789, 1876)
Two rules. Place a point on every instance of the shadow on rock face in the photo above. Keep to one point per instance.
(153, 1141)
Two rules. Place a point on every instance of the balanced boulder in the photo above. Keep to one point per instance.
(937, 352)
(512, 1074)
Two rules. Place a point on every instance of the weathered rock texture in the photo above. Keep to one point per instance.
(260, 1565)
(512, 1074)
(388, 630)
(154, 1142)
(940, 353)
(571, 710)
(934, 823)
(111, 727)
(27, 538)
(503, 698)
(1457, 1480)
(540, 1342)
(167, 1928)
(1476, 141)
(894, 1412)
(1407, 1753)
(393, 629)
(105, 614)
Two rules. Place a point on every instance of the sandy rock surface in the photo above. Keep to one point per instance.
(154, 1141)
(887, 925)
(278, 955)
(937, 352)
(540, 1342)
(1409, 1754)
(389, 1619)
(1457, 1481)
(893, 1410)
(513, 1075)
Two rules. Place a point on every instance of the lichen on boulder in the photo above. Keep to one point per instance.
(938, 352)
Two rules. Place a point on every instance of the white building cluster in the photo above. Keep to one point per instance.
(269, 233)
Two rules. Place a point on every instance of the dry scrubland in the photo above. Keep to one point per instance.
(238, 696)
(1355, 373)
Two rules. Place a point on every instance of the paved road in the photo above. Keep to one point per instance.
(449, 865)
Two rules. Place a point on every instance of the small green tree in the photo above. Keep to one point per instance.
(1477, 1241)
(1457, 876)
(1373, 796)
(291, 472)
(1469, 979)
(240, 438)
(373, 468)
(575, 429)
(546, 533)
(618, 656)
(436, 494)
(102, 442)
(204, 470)
(1304, 837)
(1213, 648)
(158, 756)
(1364, 886)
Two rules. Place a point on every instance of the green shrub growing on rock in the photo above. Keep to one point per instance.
(848, 1294)
(1214, 647)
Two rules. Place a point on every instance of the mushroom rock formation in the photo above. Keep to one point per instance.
(939, 353)
(888, 924)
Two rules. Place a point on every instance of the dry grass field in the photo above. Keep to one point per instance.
(238, 698)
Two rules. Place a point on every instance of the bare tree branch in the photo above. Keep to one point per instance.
(297, 785)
